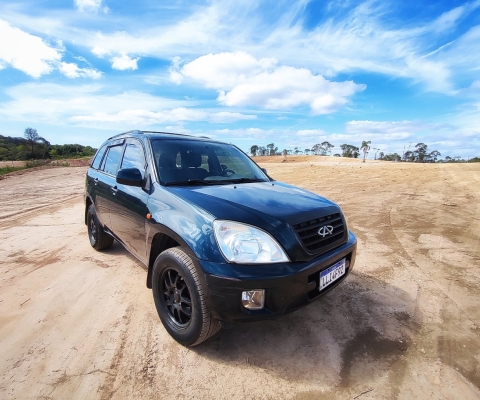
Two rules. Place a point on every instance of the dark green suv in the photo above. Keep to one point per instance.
(223, 242)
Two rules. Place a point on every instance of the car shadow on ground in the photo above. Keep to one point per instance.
(117, 249)
(361, 327)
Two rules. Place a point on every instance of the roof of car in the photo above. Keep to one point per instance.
(156, 134)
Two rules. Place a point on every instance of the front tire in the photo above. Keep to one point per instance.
(180, 298)
(97, 236)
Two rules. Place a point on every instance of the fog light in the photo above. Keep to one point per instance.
(253, 299)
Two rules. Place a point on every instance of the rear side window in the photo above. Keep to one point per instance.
(112, 159)
(98, 157)
(133, 157)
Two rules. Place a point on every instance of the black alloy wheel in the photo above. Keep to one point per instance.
(176, 297)
(99, 239)
(92, 231)
(180, 299)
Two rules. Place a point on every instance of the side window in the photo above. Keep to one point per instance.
(98, 157)
(134, 157)
(112, 159)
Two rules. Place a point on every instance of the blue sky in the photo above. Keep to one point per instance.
(294, 73)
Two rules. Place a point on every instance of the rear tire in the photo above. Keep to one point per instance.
(180, 298)
(99, 239)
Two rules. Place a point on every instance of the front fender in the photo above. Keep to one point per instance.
(188, 224)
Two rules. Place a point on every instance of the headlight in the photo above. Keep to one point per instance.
(241, 243)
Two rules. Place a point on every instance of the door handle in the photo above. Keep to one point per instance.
(95, 181)
(114, 190)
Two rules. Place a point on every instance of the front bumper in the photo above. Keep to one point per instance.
(288, 286)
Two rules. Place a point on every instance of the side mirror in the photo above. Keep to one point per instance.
(130, 177)
(264, 171)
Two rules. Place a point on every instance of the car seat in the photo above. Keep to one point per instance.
(191, 161)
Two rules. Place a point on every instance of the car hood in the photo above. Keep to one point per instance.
(270, 201)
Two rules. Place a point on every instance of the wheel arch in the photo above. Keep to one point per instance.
(88, 203)
(162, 240)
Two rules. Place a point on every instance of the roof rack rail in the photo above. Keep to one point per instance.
(136, 131)
(167, 133)
(139, 132)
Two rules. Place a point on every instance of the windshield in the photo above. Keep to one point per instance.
(192, 162)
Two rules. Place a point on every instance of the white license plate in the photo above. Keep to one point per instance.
(331, 274)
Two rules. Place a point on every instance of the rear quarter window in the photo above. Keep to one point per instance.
(98, 157)
(112, 159)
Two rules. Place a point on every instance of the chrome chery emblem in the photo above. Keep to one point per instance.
(325, 230)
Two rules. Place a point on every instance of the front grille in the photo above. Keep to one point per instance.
(315, 243)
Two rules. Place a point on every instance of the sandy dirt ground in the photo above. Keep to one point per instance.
(80, 324)
(12, 164)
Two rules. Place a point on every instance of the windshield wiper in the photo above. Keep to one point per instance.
(190, 182)
(200, 182)
(244, 180)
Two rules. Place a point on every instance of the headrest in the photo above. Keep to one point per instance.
(192, 159)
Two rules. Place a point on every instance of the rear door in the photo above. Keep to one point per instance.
(94, 187)
(105, 183)
(128, 213)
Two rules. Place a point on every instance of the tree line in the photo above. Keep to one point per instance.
(271, 150)
(420, 153)
(32, 146)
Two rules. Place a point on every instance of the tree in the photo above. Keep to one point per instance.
(420, 152)
(381, 155)
(365, 147)
(317, 149)
(32, 136)
(349, 150)
(326, 147)
(307, 151)
(262, 151)
(253, 150)
(434, 155)
(392, 157)
(409, 156)
(272, 149)
(296, 150)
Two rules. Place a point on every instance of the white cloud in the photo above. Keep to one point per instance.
(307, 133)
(359, 40)
(57, 104)
(71, 70)
(99, 51)
(91, 6)
(175, 76)
(29, 54)
(26, 52)
(389, 136)
(433, 51)
(385, 129)
(242, 80)
(146, 117)
(124, 62)
(245, 134)
(224, 71)
(227, 117)
(88, 105)
(362, 37)
(448, 19)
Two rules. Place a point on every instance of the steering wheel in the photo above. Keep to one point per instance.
(226, 171)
